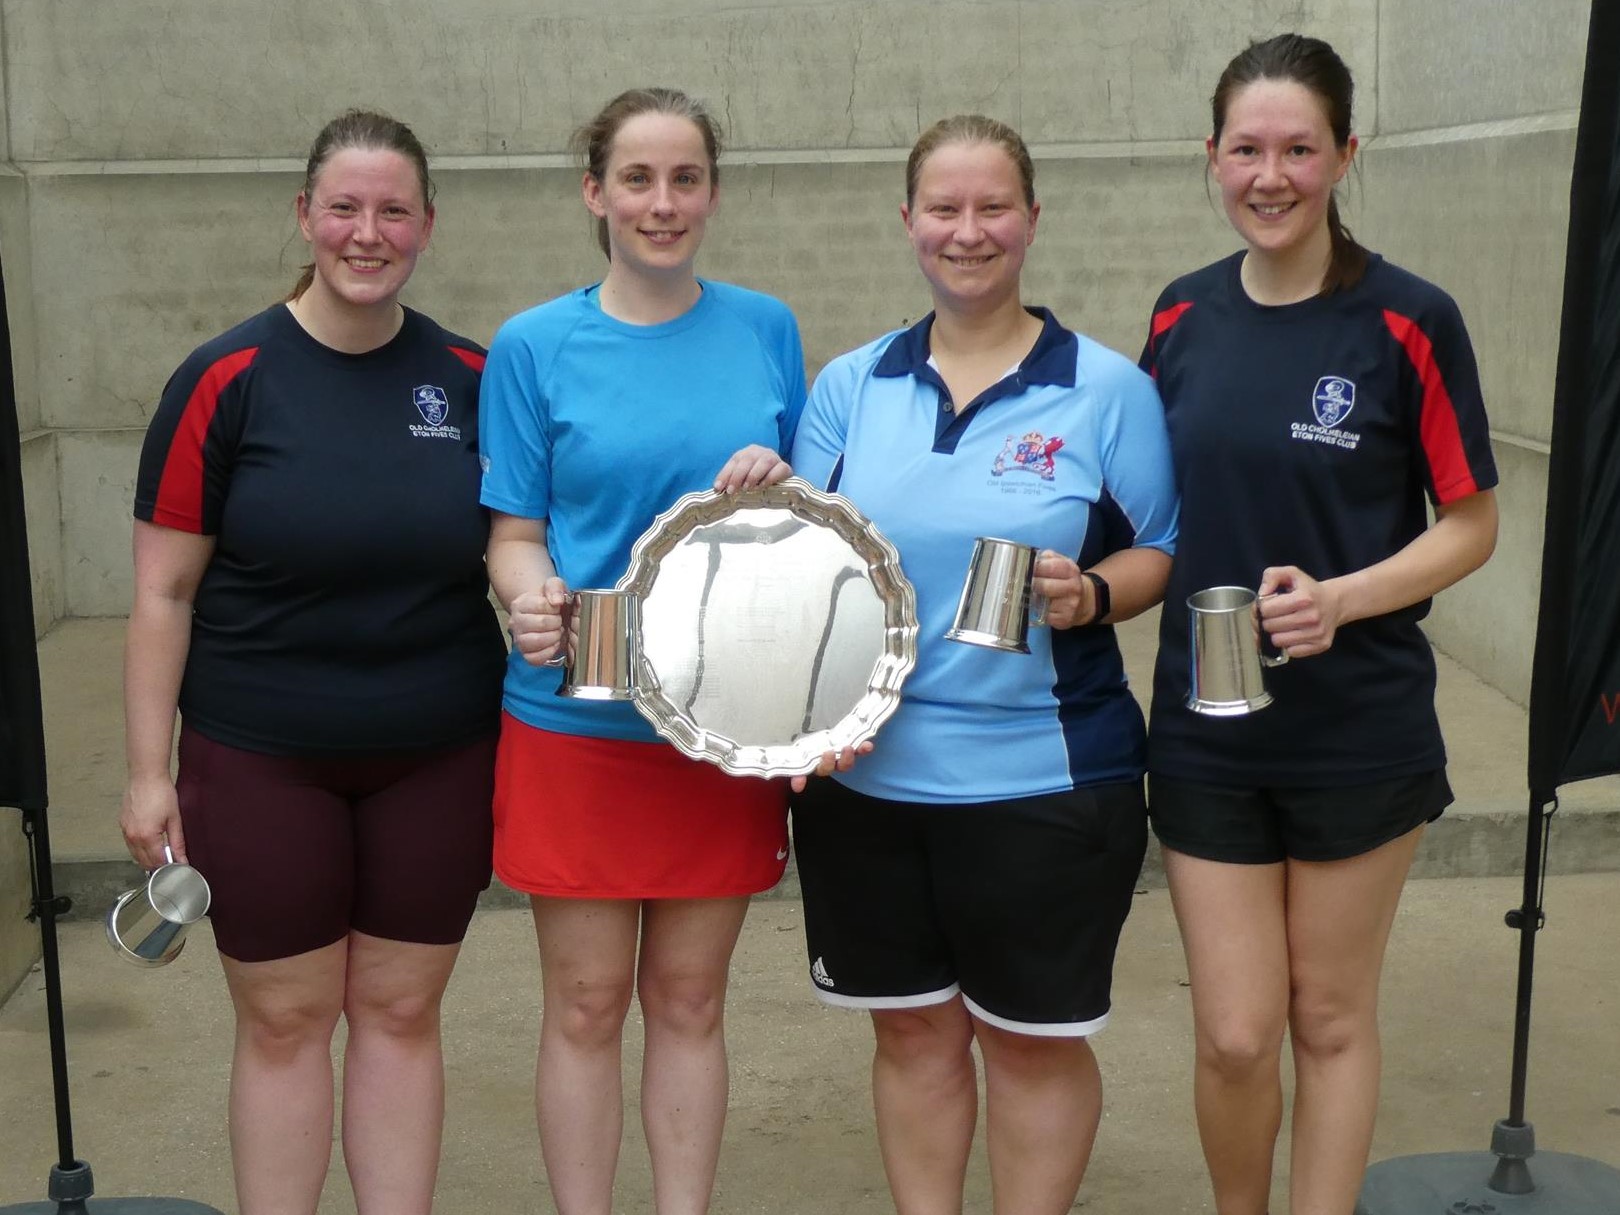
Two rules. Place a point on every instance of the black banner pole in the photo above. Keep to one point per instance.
(70, 1186)
(1578, 598)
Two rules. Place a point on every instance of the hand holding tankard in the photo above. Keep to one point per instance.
(1299, 614)
(537, 620)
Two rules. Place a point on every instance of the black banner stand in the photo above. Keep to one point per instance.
(1571, 737)
(22, 784)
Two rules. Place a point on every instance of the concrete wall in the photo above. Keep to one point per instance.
(1468, 184)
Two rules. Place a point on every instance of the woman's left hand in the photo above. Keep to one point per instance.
(753, 465)
(1299, 614)
(843, 761)
(1069, 597)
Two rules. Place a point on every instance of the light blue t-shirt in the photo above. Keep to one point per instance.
(1067, 452)
(597, 426)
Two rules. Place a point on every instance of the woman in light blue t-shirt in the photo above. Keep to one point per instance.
(599, 409)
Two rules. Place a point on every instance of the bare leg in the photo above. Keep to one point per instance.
(281, 1078)
(393, 1073)
(1339, 918)
(1233, 927)
(925, 1092)
(681, 978)
(1043, 1101)
(587, 964)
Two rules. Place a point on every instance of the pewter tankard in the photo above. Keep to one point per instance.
(147, 925)
(1227, 653)
(997, 597)
(603, 645)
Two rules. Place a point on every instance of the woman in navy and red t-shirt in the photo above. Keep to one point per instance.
(1316, 395)
(310, 596)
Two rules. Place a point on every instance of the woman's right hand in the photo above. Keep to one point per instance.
(149, 819)
(831, 761)
(536, 621)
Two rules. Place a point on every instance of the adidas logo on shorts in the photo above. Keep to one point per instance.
(818, 972)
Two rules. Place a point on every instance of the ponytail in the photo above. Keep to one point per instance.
(305, 277)
(1348, 261)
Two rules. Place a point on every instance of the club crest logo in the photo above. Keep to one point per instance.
(431, 403)
(1333, 400)
(1034, 453)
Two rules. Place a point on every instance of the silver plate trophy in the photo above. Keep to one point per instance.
(776, 625)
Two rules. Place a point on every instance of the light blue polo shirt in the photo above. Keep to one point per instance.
(598, 426)
(1067, 452)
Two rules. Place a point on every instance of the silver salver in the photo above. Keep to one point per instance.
(776, 626)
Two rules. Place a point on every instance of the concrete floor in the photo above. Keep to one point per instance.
(149, 1054)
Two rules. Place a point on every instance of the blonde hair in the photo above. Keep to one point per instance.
(970, 128)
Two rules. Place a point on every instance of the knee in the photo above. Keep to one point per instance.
(938, 1038)
(1238, 1050)
(690, 1006)
(406, 1015)
(280, 1030)
(588, 1012)
(1324, 1026)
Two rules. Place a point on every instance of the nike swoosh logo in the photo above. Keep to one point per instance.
(781, 854)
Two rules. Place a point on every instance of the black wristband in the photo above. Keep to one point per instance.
(1102, 597)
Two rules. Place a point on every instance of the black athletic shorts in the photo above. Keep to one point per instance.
(299, 851)
(1251, 825)
(1017, 905)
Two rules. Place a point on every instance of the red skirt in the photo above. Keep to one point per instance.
(606, 818)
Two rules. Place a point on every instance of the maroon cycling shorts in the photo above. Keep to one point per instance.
(299, 851)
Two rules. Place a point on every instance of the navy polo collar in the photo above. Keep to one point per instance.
(1050, 361)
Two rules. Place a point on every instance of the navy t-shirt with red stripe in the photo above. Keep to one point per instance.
(345, 608)
(1310, 434)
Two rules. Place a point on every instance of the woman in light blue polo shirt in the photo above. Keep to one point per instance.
(967, 881)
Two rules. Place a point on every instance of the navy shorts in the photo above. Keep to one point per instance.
(1265, 825)
(1017, 905)
(299, 851)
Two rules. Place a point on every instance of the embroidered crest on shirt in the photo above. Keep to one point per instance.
(1331, 404)
(434, 405)
(1034, 453)
(1333, 400)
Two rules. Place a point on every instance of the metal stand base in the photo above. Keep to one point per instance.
(71, 1190)
(1455, 1183)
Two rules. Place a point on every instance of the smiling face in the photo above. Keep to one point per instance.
(1276, 163)
(366, 221)
(969, 225)
(656, 194)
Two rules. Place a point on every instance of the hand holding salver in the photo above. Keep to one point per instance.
(754, 465)
(841, 761)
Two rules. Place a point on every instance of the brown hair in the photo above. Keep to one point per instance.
(1315, 65)
(593, 142)
(970, 128)
(372, 132)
